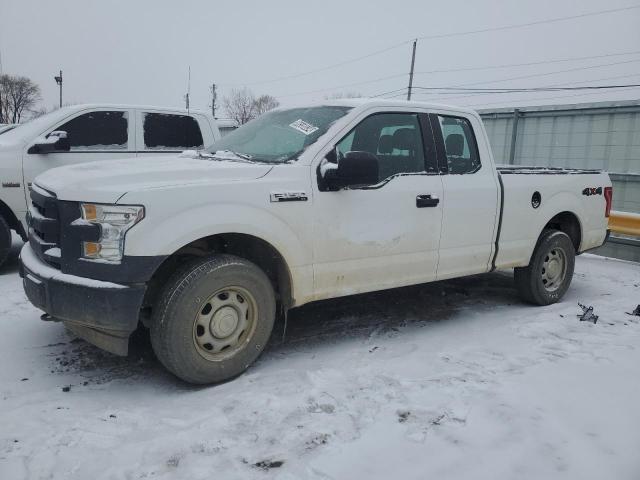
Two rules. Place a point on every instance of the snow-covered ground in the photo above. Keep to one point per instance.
(449, 380)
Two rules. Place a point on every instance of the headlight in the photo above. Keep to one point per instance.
(114, 221)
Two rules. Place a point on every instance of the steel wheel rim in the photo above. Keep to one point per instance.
(224, 323)
(554, 269)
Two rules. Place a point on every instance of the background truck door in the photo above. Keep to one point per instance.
(386, 235)
(102, 134)
(470, 199)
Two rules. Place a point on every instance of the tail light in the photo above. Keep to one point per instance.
(608, 198)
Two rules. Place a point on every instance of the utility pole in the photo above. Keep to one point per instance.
(214, 99)
(59, 82)
(186, 97)
(413, 62)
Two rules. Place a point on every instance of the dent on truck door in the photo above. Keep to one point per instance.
(386, 235)
(470, 199)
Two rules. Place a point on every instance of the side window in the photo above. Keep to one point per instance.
(164, 131)
(395, 138)
(98, 131)
(459, 145)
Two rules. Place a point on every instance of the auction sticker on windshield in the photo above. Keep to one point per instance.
(303, 127)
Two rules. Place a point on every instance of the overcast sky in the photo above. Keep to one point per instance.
(139, 51)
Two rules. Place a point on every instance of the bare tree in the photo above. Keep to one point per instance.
(338, 95)
(17, 96)
(240, 105)
(264, 103)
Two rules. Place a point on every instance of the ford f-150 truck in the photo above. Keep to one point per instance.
(299, 205)
(86, 133)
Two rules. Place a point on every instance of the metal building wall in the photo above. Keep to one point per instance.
(604, 135)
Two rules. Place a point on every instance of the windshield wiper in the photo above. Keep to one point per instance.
(238, 155)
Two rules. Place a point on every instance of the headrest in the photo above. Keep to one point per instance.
(385, 144)
(454, 144)
(404, 139)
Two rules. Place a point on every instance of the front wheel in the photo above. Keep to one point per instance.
(213, 319)
(547, 277)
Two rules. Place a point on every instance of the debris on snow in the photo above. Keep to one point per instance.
(403, 416)
(587, 314)
(636, 312)
(268, 464)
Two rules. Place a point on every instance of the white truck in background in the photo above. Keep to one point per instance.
(86, 133)
(299, 205)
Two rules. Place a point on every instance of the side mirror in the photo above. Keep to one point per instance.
(355, 169)
(54, 142)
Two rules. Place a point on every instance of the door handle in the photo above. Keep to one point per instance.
(424, 201)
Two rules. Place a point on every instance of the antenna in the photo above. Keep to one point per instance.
(186, 97)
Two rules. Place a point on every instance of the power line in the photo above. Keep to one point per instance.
(526, 64)
(521, 77)
(443, 35)
(403, 90)
(328, 67)
(529, 24)
(488, 67)
(538, 99)
(525, 89)
(582, 81)
(545, 74)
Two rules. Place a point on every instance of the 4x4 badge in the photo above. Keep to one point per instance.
(592, 191)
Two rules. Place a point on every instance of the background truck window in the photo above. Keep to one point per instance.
(98, 131)
(163, 131)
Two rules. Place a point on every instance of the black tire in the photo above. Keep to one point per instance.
(532, 281)
(175, 328)
(5, 241)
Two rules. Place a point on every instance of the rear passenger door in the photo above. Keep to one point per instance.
(166, 132)
(470, 197)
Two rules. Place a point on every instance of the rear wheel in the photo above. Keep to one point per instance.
(5, 241)
(548, 276)
(213, 319)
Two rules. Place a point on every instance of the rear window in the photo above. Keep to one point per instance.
(164, 131)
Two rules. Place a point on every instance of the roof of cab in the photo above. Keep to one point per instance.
(377, 102)
(84, 106)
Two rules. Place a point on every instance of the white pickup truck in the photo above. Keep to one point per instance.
(86, 133)
(299, 205)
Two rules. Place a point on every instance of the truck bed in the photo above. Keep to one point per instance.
(559, 190)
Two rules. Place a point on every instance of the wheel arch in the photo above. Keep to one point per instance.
(12, 219)
(250, 247)
(569, 223)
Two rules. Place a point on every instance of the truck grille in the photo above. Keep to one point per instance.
(44, 226)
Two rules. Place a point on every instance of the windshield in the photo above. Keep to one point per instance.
(279, 136)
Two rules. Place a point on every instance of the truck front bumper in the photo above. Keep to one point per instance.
(103, 313)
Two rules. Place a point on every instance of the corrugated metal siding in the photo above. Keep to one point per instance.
(604, 136)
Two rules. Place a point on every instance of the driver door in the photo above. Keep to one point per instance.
(385, 235)
(95, 135)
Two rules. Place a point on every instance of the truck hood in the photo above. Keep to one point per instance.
(106, 181)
